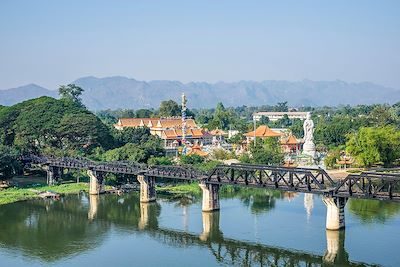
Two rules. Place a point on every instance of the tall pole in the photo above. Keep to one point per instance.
(184, 101)
(254, 123)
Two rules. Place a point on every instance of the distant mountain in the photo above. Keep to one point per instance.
(15, 95)
(122, 92)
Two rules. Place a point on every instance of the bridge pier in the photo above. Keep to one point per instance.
(210, 200)
(54, 174)
(147, 188)
(96, 185)
(334, 212)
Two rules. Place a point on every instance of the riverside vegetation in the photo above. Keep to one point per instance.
(64, 127)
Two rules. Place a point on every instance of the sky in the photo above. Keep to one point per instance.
(51, 42)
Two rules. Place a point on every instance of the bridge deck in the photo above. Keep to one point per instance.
(371, 185)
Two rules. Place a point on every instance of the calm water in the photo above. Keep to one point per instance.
(252, 228)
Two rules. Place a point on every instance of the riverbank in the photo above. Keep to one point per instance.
(12, 195)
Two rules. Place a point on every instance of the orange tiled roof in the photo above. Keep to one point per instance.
(263, 131)
(177, 133)
(218, 132)
(292, 140)
(165, 123)
(196, 150)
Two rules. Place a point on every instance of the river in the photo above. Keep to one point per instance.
(253, 228)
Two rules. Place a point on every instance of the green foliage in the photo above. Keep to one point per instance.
(267, 151)
(142, 113)
(9, 164)
(281, 107)
(332, 157)
(236, 139)
(160, 161)
(375, 145)
(131, 135)
(19, 194)
(71, 92)
(191, 159)
(221, 154)
(136, 152)
(169, 109)
(49, 124)
(207, 165)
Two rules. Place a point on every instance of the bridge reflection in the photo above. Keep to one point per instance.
(52, 231)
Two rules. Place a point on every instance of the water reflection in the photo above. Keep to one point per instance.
(370, 211)
(53, 230)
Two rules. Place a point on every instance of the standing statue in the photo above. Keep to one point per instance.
(309, 146)
(308, 127)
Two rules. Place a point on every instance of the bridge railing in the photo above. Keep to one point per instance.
(375, 185)
(290, 179)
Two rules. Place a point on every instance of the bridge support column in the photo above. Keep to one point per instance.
(53, 174)
(147, 188)
(96, 185)
(335, 212)
(210, 196)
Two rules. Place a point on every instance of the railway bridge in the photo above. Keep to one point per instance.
(383, 185)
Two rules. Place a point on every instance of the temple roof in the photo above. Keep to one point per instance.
(196, 150)
(291, 140)
(263, 131)
(164, 123)
(177, 133)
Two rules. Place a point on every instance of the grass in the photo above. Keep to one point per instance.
(191, 188)
(12, 195)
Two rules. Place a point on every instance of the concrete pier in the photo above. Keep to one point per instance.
(147, 188)
(96, 185)
(210, 196)
(54, 174)
(335, 212)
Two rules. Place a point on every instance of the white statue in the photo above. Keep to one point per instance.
(309, 146)
(308, 127)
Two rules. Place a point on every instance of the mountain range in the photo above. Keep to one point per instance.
(121, 92)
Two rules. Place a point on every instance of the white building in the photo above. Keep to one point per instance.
(274, 116)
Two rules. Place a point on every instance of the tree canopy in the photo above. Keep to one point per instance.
(375, 145)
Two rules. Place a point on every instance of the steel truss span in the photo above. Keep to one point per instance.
(380, 185)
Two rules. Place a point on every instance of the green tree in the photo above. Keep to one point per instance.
(9, 164)
(191, 159)
(281, 107)
(142, 113)
(131, 135)
(169, 109)
(160, 161)
(375, 145)
(267, 151)
(71, 92)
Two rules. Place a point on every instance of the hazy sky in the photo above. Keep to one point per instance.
(55, 42)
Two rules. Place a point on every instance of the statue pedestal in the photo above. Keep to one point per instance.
(309, 149)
